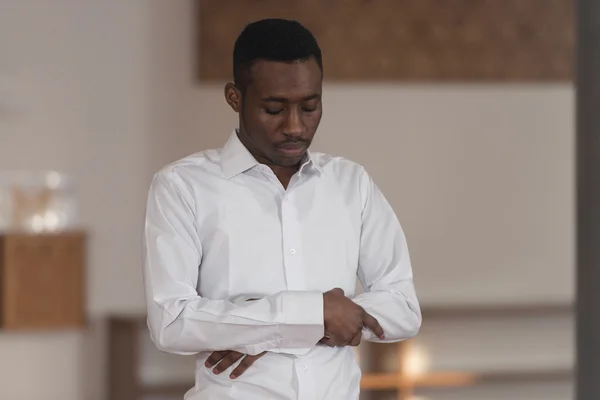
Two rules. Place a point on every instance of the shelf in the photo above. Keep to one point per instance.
(497, 310)
(541, 375)
(387, 381)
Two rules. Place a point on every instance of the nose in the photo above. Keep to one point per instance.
(294, 126)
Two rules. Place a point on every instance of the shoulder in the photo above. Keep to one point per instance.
(338, 166)
(349, 175)
(183, 174)
(341, 169)
(203, 161)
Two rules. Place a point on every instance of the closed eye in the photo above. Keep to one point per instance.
(273, 112)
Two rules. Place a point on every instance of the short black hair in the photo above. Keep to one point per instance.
(272, 39)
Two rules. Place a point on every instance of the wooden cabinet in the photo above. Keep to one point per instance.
(124, 363)
(42, 281)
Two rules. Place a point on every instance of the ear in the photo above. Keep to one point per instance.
(233, 97)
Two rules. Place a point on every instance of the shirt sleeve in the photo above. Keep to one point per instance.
(182, 322)
(385, 270)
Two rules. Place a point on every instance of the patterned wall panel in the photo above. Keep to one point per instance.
(408, 40)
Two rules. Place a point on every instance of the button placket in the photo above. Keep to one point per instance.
(292, 256)
(307, 381)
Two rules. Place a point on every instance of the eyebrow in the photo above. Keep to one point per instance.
(275, 99)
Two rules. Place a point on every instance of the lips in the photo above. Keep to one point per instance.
(292, 149)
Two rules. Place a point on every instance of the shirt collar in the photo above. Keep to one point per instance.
(236, 159)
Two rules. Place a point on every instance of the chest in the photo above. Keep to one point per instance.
(262, 239)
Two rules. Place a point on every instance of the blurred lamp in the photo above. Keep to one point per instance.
(415, 362)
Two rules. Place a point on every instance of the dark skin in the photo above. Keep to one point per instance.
(280, 107)
(279, 113)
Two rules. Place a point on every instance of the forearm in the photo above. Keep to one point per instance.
(385, 270)
(287, 320)
(398, 314)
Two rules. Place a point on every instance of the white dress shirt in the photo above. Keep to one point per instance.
(221, 229)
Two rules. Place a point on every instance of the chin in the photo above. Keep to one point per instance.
(288, 162)
(288, 158)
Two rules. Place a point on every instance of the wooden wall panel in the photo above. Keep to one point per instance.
(408, 40)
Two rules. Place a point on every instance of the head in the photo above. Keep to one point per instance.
(278, 73)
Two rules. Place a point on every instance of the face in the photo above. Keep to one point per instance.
(279, 111)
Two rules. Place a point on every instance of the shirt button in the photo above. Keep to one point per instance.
(293, 251)
(304, 367)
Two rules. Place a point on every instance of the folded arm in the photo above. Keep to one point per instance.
(385, 270)
(182, 322)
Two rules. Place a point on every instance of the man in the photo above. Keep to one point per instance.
(252, 251)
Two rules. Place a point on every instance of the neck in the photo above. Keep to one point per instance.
(283, 173)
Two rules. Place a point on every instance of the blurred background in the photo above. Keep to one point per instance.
(467, 127)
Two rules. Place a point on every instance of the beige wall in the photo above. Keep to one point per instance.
(480, 176)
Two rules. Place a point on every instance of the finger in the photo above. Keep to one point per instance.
(356, 339)
(215, 357)
(227, 361)
(244, 365)
(371, 322)
(327, 341)
(331, 342)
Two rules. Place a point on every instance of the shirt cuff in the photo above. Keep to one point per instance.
(301, 326)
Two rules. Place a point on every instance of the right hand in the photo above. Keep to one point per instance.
(344, 320)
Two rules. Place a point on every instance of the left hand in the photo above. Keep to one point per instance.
(225, 359)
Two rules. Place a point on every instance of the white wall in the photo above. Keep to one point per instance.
(480, 176)
(82, 69)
